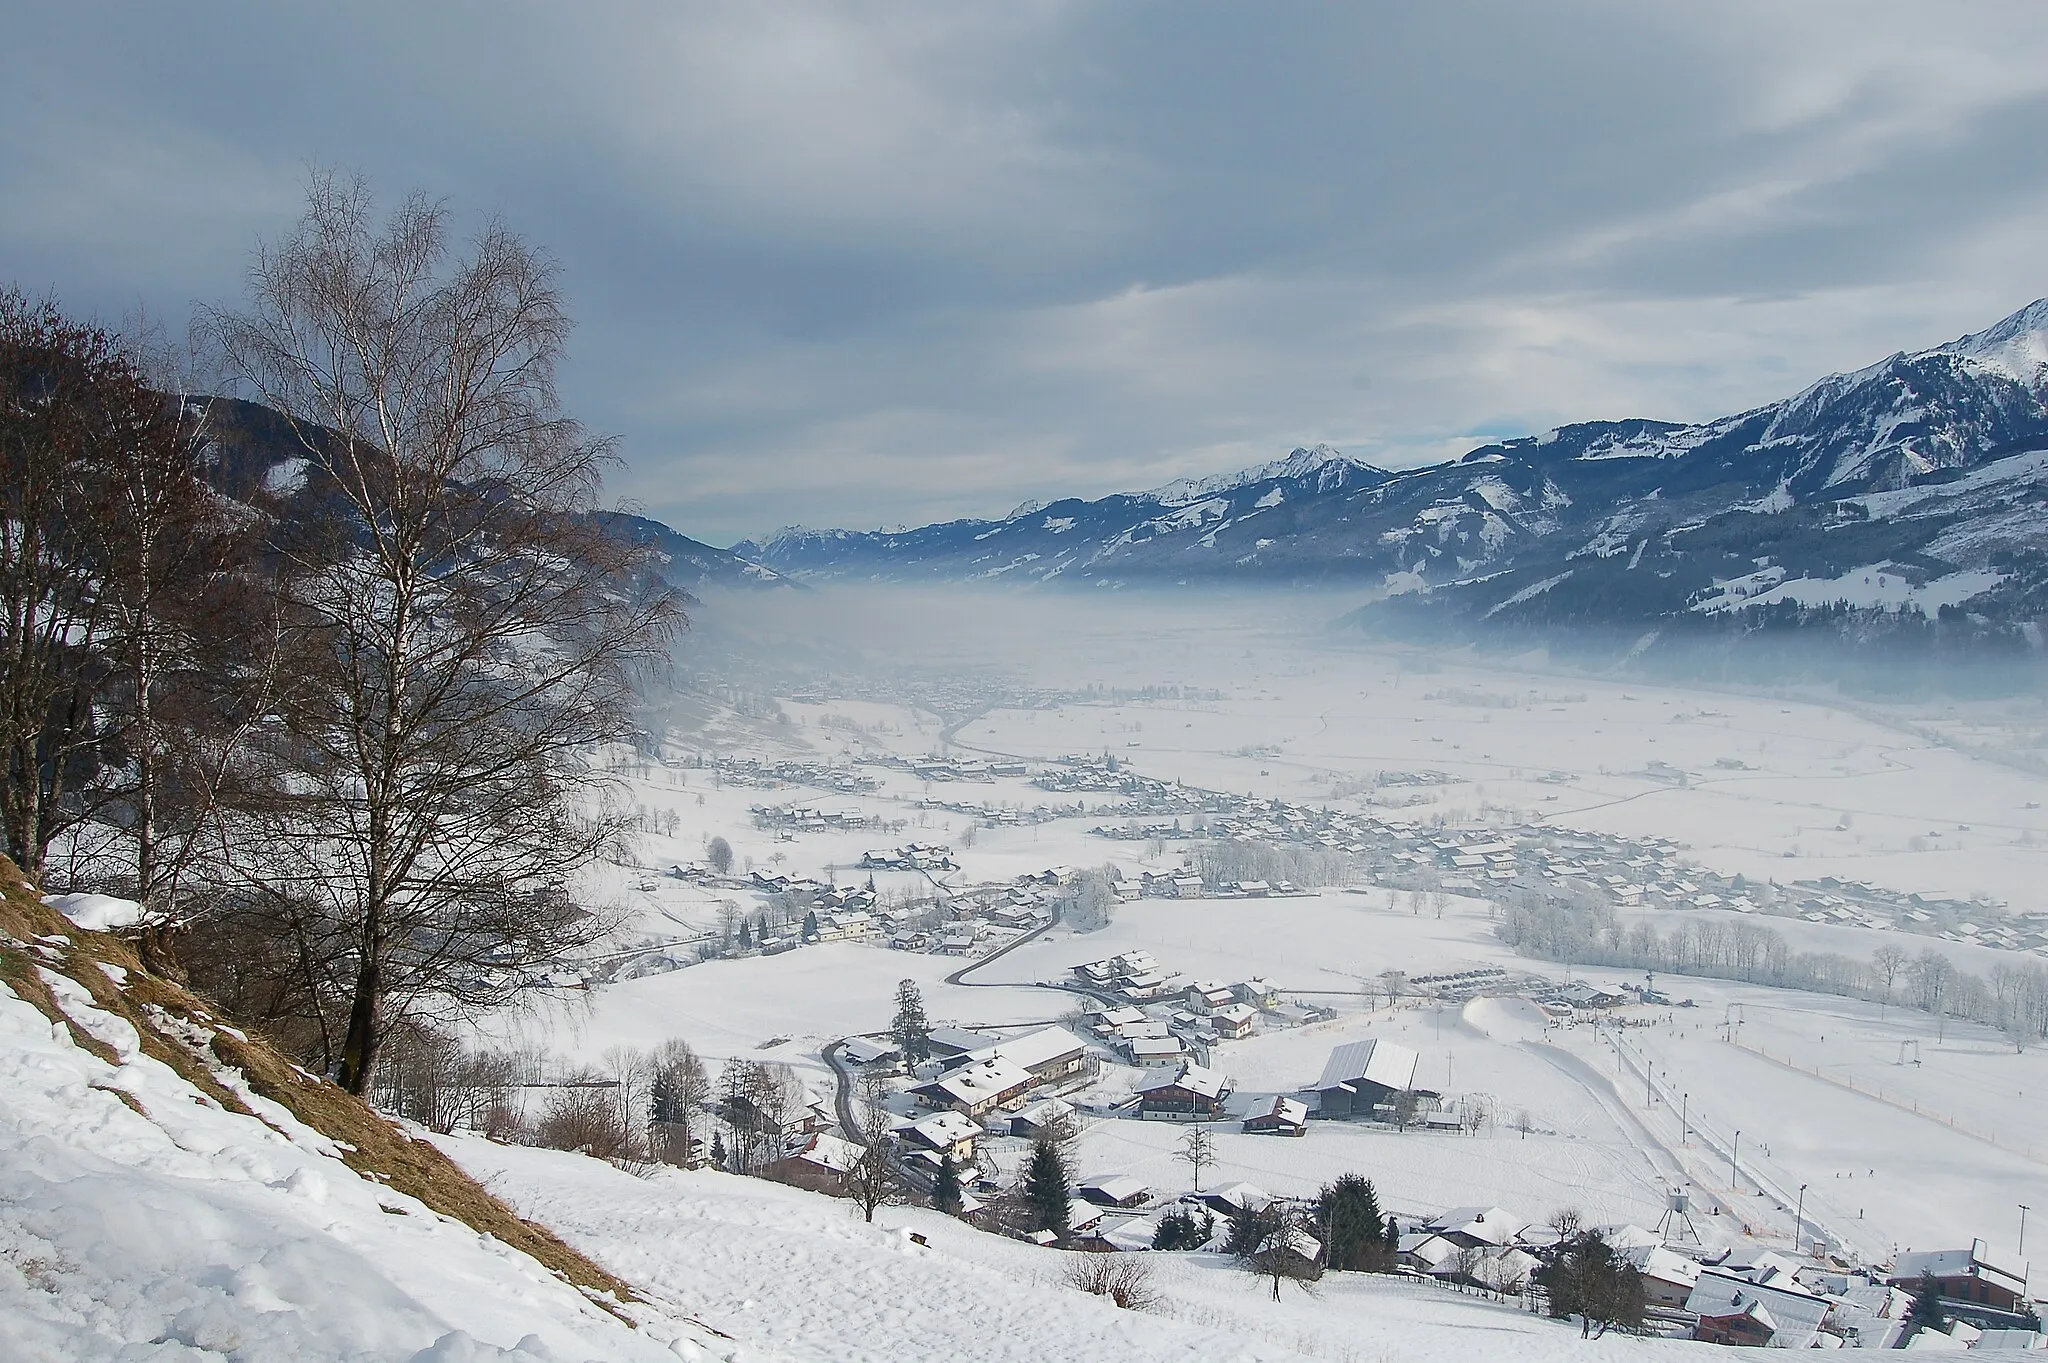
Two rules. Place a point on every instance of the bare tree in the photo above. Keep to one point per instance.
(1887, 963)
(1125, 1279)
(1197, 1151)
(874, 1180)
(469, 633)
(678, 1090)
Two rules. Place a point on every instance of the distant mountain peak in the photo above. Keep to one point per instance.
(2018, 344)
(1302, 462)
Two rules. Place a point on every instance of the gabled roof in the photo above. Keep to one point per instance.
(1655, 1261)
(1286, 1109)
(1195, 1079)
(1033, 1049)
(1793, 1317)
(1489, 1225)
(943, 1128)
(1373, 1060)
(977, 1083)
(1115, 1188)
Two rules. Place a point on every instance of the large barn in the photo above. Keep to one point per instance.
(1362, 1075)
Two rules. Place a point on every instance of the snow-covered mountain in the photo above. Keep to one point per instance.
(1923, 469)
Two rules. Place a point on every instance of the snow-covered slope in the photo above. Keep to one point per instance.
(144, 1215)
(802, 1275)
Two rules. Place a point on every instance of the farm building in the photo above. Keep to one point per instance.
(1287, 1117)
(1361, 1076)
(1194, 1094)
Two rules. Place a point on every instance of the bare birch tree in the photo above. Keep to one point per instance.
(469, 636)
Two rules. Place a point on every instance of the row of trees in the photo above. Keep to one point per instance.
(2010, 997)
(319, 681)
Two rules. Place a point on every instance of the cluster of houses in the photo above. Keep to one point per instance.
(812, 818)
(1746, 1297)
(914, 856)
(1156, 1018)
(743, 771)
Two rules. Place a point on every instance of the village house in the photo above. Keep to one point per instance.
(1469, 1227)
(818, 1161)
(1362, 1077)
(1036, 1119)
(947, 1042)
(1233, 1021)
(947, 1134)
(1155, 1052)
(1194, 1094)
(1231, 1199)
(1286, 1117)
(1734, 1310)
(1966, 1277)
(1668, 1277)
(1048, 1054)
(860, 1050)
(978, 1087)
(1118, 1190)
(1206, 996)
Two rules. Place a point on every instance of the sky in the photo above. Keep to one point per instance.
(865, 265)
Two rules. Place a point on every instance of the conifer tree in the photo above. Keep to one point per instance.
(912, 1030)
(1046, 1193)
(946, 1187)
(1352, 1228)
(1927, 1312)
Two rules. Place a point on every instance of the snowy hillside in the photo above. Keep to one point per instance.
(801, 1275)
(153, 1204)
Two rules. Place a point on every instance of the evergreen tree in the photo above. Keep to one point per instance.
(810, 925)
(717, 1150)
(746, 936)
(1352, 1228)
(912, 1030)
(1393, 1241)
(1046, 1193)
(1927, 1312)
(1182, 1228)
(946, 1187)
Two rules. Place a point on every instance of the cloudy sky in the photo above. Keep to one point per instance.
(884, 264)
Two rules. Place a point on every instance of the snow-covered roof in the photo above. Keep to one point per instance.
(1655, 1261)
(1793, 1317)
(1494, 1225)
(1033, 1049)
(1955, 1263)
(979, 1082)
(1195, 1079)
(1374, 1060)
(1115, 1188)
(943, 1129)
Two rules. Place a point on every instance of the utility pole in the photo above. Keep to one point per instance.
(1734, 1179)
(2023, 1228)
(1684, 1127)
(1799, 1220)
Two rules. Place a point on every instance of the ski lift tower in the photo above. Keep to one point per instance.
(1677, 1228)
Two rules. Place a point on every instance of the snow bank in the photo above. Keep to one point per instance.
(140, 1219)
(96, 912)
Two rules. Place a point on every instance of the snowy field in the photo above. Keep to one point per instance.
(1891, 1153)
(805, 1278)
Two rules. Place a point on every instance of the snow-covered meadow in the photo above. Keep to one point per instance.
(1259, 697)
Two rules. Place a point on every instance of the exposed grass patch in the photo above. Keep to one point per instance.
(380, 1149)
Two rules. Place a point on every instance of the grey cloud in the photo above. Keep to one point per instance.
(858, 265)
